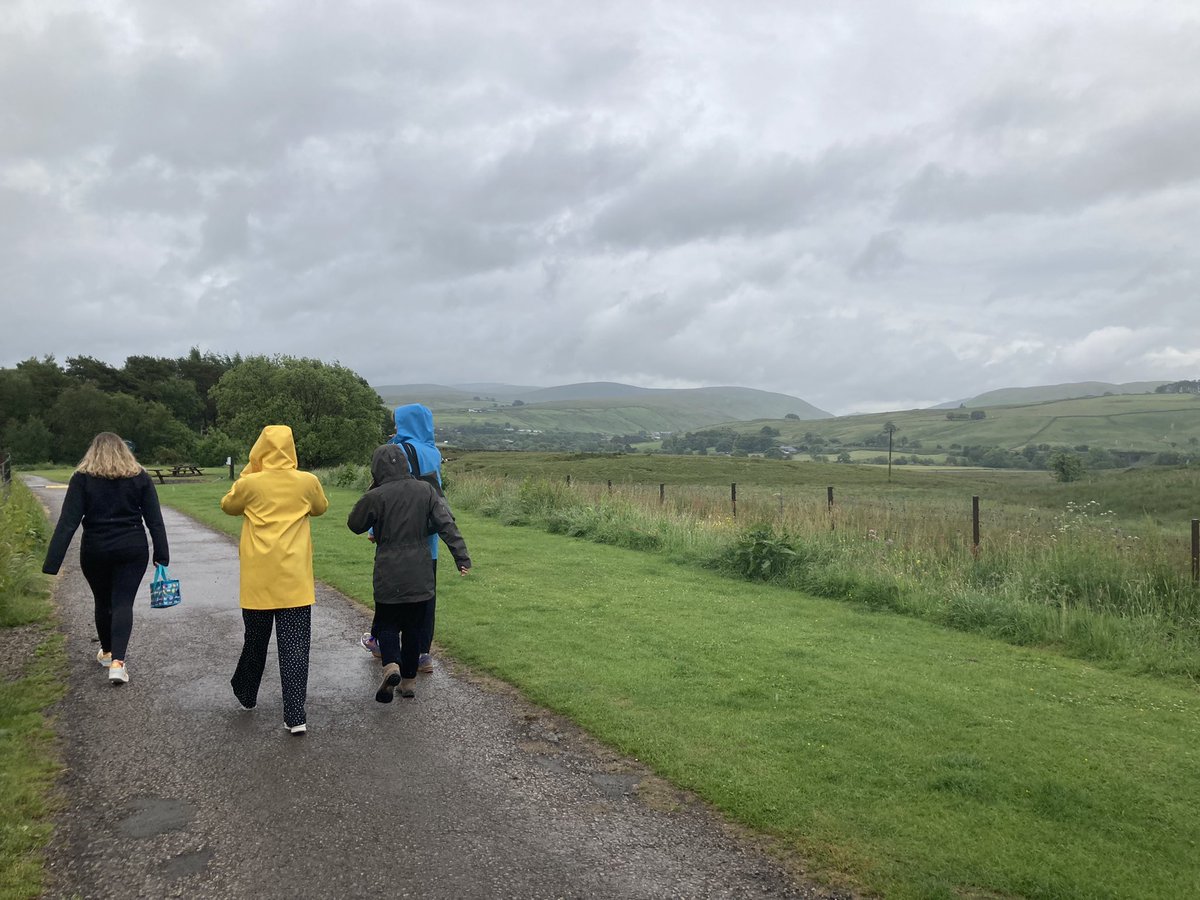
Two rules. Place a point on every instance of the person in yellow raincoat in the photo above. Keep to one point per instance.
(275, 500)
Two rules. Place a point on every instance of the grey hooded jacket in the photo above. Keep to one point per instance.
(404, 512)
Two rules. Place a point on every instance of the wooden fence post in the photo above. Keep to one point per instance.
(975, 527)
(733, 498)
(662, 494)
(1195, 550)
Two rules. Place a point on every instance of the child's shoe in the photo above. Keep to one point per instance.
(105, 659)
(391, 678)
(425, 663)
(370, 644)
(406, 687)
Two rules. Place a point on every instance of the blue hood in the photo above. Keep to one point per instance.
(414, 424)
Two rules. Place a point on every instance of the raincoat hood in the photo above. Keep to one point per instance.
(388, 463)
(414, 424)
(274, 449)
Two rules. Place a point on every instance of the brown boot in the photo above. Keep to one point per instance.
(391, 678)
(406, 687)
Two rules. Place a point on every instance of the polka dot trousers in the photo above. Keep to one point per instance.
(293, 633)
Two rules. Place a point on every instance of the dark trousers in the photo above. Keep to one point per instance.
(114, 579)
(397, 628)
(425, 640)
(293, 635)
(425, 631)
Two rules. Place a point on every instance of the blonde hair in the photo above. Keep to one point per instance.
(109, 457)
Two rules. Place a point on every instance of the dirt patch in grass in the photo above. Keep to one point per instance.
(18, 646)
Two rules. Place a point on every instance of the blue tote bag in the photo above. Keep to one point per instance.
(164, 590)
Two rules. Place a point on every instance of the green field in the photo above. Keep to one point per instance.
(1148, 423)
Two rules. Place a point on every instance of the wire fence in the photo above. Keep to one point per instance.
(965, 525)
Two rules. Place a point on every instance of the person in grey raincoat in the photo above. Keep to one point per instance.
(402, 512)
(414, 434)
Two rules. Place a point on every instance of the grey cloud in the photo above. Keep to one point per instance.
(1151, 154)
(882, 255)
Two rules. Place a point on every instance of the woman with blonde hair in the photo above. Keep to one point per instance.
(111, 495)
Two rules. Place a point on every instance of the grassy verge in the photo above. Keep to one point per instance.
(894, 755)
(29, 686)
(1078, 578)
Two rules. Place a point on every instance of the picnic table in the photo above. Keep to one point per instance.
(180, 471)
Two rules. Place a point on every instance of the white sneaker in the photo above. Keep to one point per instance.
(296, 729)
(118, 674)
(105, 659)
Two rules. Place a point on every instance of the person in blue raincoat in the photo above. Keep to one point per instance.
(414, 435)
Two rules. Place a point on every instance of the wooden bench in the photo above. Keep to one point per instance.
(182, 471)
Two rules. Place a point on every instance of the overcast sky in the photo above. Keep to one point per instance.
(868, 205)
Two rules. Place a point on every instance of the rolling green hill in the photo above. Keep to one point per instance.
(1074, 391)
(600, 407)
(1145, 422)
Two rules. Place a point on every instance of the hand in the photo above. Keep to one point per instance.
(464, 571)
(371, 538)
(160, 562)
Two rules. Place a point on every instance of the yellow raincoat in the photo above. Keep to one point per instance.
(276, 499)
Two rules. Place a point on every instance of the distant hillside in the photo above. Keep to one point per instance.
(599, 407)
(496, 390)
(1149, 422)
(1047, 392)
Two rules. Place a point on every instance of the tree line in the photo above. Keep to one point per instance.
(200, 408)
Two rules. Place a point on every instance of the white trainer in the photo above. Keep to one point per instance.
(118, 673)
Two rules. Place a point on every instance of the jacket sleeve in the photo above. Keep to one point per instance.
(317, 501)
(68, 521)
(234, 502)
(362, 516)
(152, 515)
(443, 522)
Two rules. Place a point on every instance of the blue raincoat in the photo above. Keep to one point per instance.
(414, 425)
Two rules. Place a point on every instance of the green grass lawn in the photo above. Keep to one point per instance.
(894, 755)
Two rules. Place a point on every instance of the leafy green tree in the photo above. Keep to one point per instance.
(83, 411)
(204, 370)
(215, 447)
(17, 396)
(29, 441)
(334, 414)
(101, 374)
(46, 379)
(1066, 466)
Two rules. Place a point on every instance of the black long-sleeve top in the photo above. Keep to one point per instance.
(112, 511)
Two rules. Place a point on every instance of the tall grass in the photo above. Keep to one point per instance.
(23, 533)
(31, 684)
(1075, 578)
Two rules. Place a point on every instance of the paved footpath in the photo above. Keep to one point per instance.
(171, 790)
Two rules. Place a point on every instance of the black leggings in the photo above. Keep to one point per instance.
(114, 579)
